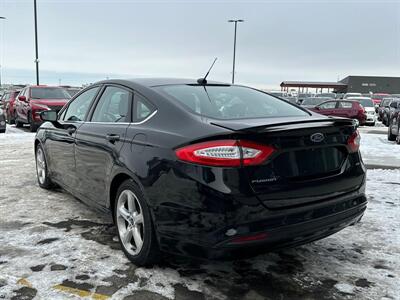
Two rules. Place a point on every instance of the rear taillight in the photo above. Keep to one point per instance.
(225, 153)
(354, 142)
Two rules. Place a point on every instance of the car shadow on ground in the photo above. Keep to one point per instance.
(269, 276)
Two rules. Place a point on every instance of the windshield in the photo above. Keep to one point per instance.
(366, 102)
(313, 101)
(379, 97)
(386, 101)
(49, 93)
(229, 102)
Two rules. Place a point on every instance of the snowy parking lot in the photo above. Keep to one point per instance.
(54, 247)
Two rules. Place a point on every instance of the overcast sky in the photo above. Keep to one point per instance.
(84, 41)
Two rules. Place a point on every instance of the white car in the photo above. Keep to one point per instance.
(351, 95)
(369, 107)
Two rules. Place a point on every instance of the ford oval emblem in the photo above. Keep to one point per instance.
(317, 137)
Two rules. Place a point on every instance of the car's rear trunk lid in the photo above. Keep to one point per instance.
(311, 162)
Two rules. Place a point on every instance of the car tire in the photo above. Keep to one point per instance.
(134, 224)
(18, 124)
(32, 126)
(391, 136)
(42, 172)
(11, 119)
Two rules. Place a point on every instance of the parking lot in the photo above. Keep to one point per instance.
(54, 247)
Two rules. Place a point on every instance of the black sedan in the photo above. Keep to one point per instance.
(202, 168)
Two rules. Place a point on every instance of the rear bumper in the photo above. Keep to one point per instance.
(370, 119)
(279, 229)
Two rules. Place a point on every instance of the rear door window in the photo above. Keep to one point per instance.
(142, 108)
(328, 105)
(344, 104)
(113, 106)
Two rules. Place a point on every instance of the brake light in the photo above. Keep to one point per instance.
(354, 141)
(225, 153)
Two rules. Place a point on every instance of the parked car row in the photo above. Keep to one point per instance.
(24, 106)
(386, 109)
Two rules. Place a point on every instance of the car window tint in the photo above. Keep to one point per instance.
(78, 108)
(328, 105)
(142, 109)
(113, 106)
(345, 105)
(229, 102)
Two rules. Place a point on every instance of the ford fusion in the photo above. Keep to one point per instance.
(201, 168)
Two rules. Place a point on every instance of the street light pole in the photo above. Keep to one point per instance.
(234, 47)
(36, 44)
(1, 55)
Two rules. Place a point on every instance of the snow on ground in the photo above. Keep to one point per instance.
(50, 239)
(376, 149)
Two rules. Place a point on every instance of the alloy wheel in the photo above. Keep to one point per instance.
(130, 222)
(40, 165)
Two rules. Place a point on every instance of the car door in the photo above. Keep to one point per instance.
(327, 108)
(19, 105)
(138, 132)
(392, 108)
(24, 106)
(345, 109)
(99, 141)
(60, 143)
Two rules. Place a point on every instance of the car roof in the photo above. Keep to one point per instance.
(152, 82)
(359, 98)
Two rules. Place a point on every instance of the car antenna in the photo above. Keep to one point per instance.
(203, 81)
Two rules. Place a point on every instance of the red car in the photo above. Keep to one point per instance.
(377, 98)
(8, 104)
(34, 99)
(342, 108)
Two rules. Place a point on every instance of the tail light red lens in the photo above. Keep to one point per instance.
(225, 153)
(354, 142)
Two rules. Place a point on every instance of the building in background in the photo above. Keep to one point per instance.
(359, 84)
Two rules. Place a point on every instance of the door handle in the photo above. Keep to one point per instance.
(112, 138)
(71, 130)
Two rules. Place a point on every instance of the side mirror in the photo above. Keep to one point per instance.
(317, 108)
(48, 115)
(22, 98)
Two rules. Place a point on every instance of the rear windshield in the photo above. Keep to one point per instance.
(229, 102)
(366, 102)
(49, 93)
